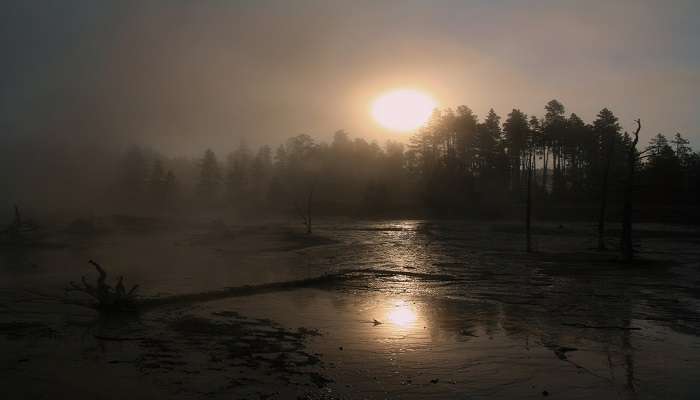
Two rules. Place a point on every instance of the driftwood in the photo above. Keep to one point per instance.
(107, 297)
(118, 339)
(622, 328)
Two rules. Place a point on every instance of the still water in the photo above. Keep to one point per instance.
(430, 309)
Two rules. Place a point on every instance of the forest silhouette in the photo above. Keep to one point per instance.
(455, 166)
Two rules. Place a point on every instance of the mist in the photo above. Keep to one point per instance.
(349, 199)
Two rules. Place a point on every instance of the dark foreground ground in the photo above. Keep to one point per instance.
(390, 309)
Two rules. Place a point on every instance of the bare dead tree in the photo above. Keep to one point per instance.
(604, 193)
(20, 230)
(632, 157)
(304, 210)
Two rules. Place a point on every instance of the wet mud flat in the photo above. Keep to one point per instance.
(391, 309)
(173, 353)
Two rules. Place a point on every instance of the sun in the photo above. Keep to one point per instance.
(403, 110)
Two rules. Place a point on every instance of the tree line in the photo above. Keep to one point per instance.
(455, 165)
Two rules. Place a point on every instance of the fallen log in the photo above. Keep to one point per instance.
(584, 326)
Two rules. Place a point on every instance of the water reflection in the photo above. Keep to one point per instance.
(505, 327)
(402, 314)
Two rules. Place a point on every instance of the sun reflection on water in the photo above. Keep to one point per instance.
(402, 314)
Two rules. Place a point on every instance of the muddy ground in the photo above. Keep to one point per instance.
(372, 309)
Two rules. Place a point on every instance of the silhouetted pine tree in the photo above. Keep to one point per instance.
(607, 131)
(516, 131)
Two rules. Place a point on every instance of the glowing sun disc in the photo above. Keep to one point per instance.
(403, 110)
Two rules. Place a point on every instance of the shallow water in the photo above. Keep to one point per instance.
(437, 309)
(436, 347)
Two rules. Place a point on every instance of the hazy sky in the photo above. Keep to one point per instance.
(185, 75)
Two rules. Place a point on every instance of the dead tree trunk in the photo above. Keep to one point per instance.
(304, 211)
(604, 194)
(529, 206)
(626, 242)
(18, 217)
(545, 162)
(309, 201)
(20, 230)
